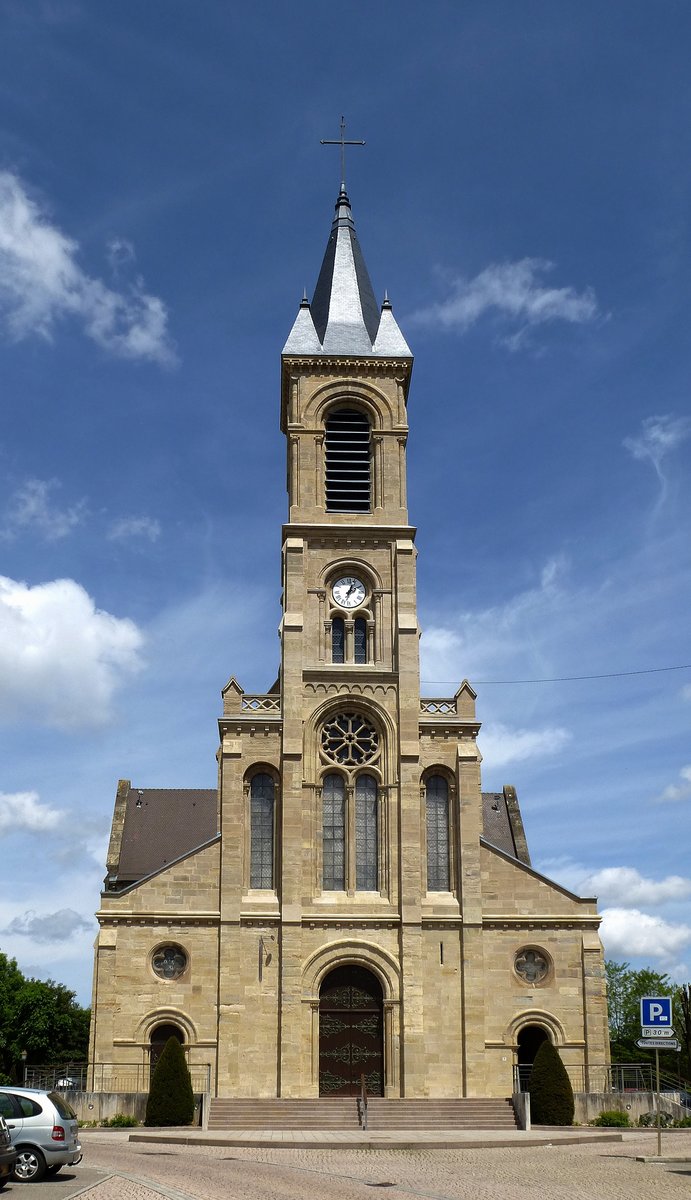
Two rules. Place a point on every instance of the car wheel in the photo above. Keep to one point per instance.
(30, 1165)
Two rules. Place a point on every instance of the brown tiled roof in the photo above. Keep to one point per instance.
(161, 825)
(502, 823)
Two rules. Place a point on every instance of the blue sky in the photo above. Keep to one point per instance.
(525, 197)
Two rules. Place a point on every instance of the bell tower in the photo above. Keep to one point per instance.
(348, 903)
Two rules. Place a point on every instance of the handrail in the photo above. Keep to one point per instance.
(362, 1103)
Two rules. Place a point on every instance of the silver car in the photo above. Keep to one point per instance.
(44, 1131)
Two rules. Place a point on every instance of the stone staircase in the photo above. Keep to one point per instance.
(322, 1114)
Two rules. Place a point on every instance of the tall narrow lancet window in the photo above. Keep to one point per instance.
(360, 640)
(333, 832)
(366, 834)
(338, 640)
(262, 831)
(348, 473)
(437, 821)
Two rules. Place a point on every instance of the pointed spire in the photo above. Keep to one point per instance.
(344, 317)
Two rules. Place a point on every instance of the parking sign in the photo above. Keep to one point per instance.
(656, 1012)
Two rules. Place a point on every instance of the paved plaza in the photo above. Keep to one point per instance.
(116, 1169)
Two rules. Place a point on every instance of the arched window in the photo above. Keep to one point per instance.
(333, 833)
(338, 640)
(262, 831)
(366, 834)
(437, 825)
(360, 640)
(348, 482)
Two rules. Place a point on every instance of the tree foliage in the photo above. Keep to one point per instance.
(170, 1101)
(625, 987)
(41, 1017)
(551, 1094)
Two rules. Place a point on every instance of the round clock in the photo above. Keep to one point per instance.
(348, 591)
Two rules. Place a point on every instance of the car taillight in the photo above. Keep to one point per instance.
(58, 1134)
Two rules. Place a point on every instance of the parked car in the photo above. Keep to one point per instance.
(44, 1132)
(8, 1154)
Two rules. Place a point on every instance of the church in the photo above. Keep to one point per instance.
(347, 902)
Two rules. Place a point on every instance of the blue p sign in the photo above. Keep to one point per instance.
(656, 1012)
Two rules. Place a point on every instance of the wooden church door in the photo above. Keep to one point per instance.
(351, 1033)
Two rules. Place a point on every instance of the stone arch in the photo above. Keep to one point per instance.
(384, 967)
(166, 1016)
(539, 1017)
(374, 402)
(357, 952)
(348, 564)
(369, 708)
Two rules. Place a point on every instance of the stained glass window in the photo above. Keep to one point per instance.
(169, 962)
(437, 820)
(366, 834)
(360, 640)
(333, 827)
(349, 739)
(262, 831)
(337, 640)
(531, 965)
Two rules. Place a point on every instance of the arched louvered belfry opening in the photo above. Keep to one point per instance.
(348, 461)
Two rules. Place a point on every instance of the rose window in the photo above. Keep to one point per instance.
(531, 965)
(169, 962)
(349, 739)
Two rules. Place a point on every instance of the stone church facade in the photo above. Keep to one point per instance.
(348, 901)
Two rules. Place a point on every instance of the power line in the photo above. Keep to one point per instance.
(561, 678)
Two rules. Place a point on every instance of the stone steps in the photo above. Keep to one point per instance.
(323, 1114)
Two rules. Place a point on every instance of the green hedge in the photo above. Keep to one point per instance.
(551, 1094)
(170, 1099)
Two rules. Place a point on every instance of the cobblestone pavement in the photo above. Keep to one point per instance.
(114, 1169)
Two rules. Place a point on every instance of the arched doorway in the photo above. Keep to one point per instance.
(159, 1037)
(529, 1040)
(351, 1033)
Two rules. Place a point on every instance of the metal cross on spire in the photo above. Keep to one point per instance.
(342, 142)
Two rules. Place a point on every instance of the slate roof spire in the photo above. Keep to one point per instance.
(344, 317)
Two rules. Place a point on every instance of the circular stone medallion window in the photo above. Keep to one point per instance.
(349, 739)
(169, 962)
(532, 966)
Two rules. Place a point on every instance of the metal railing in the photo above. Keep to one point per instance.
(362, 1103)
(107, 1077)
(618, 1077)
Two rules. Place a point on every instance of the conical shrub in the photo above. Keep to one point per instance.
(170, 1099)
(551, 1094)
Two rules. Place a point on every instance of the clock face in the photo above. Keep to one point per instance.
(348, 591)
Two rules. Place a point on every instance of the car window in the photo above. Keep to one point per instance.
(6, 1105)
(29, 1107)
(65, 1110)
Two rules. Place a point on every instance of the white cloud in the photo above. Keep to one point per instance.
(675, 792)
(625, 887)
(501, 745)
(23, 811)
(53, 927)
(42, 283)
(658, 438)
(30, 507)
(125, 528)
(120, 253)
(504, 637)
(515, 291)
(628, 933)
(61, 658)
